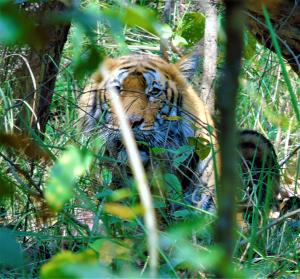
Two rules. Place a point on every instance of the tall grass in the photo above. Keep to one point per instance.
(85, 224)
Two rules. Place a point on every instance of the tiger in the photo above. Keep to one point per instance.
(166, 113)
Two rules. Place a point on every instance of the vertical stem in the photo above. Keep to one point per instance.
(140, 177)
(226, 94)
(210, 53)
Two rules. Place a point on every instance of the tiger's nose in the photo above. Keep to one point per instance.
(135, 121)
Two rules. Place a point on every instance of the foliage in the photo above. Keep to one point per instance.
(90, 226)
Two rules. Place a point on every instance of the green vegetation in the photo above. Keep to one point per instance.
(61, 215)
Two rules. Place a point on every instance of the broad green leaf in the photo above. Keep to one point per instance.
(10, 252)
(192, 27)
(64, 174)
(201, 145)
(172, 183)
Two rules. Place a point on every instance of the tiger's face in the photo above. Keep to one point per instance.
(161, 107)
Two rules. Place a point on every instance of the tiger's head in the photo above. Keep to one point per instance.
(162, 108)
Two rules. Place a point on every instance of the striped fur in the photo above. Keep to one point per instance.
(163, 111)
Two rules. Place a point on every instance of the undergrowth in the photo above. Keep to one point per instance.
(99, 231)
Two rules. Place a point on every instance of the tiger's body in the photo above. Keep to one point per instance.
(163, 110)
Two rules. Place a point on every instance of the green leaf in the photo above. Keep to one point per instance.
(201, 145)
(158, 150)
(133, 15)
(173, 183)
(64, 174)
(192, 27)
(9, 30)
(87, 61)
(16, 27)
(10, 252)
(250, 45)
(106, 177)
(59, 265)
(182, 154)
(7, 186)
(179, 41)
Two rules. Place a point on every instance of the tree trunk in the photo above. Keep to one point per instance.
(33, 71)
(285, 17)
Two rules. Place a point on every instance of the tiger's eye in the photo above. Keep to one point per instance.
(118, 88)
(155, 91)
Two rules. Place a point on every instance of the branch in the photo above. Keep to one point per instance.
(226, 94)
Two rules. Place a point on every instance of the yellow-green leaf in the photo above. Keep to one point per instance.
(122, 211)
(64, 174)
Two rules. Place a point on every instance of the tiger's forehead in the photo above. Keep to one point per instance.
(153, 67)
(150, 76)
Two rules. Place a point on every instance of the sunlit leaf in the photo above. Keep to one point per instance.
(122, 211)
(179, 41)
(64, 174)
(121, 194)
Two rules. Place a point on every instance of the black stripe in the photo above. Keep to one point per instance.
(127, 67)
(180, 97)
(150, 69)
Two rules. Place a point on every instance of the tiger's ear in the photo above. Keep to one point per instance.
(189, 64)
